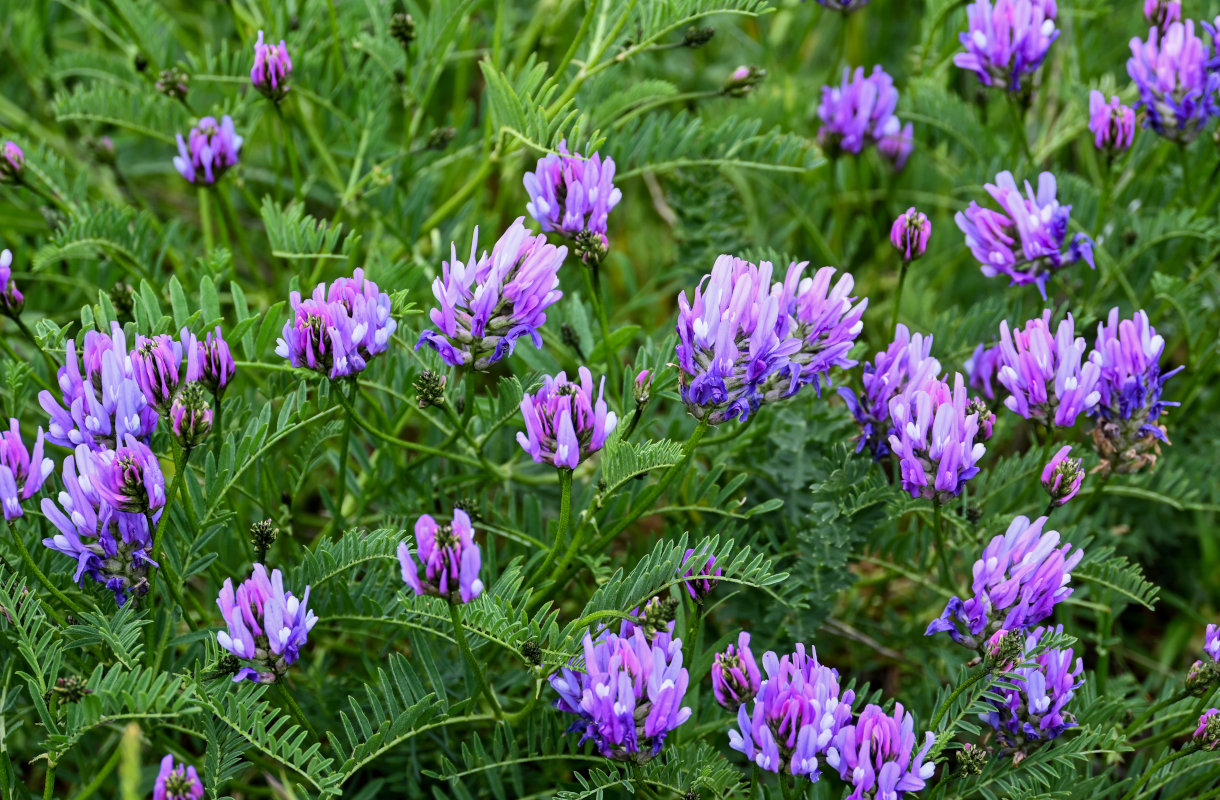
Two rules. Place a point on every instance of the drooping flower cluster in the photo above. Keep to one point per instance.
(910, 233)
(705, 582)
(1025, 239)
(22, 473)
(629, 695)
(208, 152)
(103, 514)
(937, 436)
(566, 423)
(1018, 581)
(489, 302)
(179, 782)
(735, 676)
(1127, 435)
(11, 299)
(1044, 373)
(266, 625)
(745, 341)
(1007, 40)
(1176, 80)
(1034, 706)
(860, 112)
(12, 162)
(877, 756)
(798, 711)
(448, 556)
(337, 330)
(1112, 124)
(272, 68)
(1062, 476)
(572, 195)
(906, 362)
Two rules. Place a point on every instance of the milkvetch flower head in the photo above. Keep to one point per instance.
(1208, 732)
(705, 576)
(1007, 40)
(566, 422)
(860, 112)
(735, 676)
(272, 68)
(1177, 81)
(11, 299)
(267, 626)
(1020, 578)
(1062, 476)
(936, 438)
(910, 233)
(216, 364)
(1034, 708)
(12, 162)
(22, 473)
(209, 150)
(1160, 13)
(1044, 373)
(448, 556)
(338, 329)
(488, 302)
(127, 479)
(1112, 123)
(570, 194)
(876, 755)
(161, 364)
(179, 782)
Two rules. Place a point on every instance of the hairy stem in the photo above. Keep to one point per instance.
(459, 634)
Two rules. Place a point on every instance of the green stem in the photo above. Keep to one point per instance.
(1134, 727)
(295, 710)
(8, 348)
(91, 788)
(217, 432)
(561, 533)
(1186, 181)
(372, 430)
(345, 440)
(294, 164)
(174, 490)
(459, 634)
(42, 578)
(938, 527)
(1147, 776)
(593, 282)
(205, 219)
(1019, 123)
(902, 278)
(48, 788)
(523, 712)
(945, 706)
(336, 46)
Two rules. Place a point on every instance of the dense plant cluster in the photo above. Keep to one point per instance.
(684, 481)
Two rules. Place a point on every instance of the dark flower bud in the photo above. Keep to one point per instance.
(191, 416)
(531, 651)
(122, 297)
(1005, 650)
(402, 28)
(227, 666)
(693, 794)
(140, 62)
(569, 336)
(971, 760)
(103, 150)
(642, 388)
(591, 247)
(12, 162)
(697, 37)
(173, 83)
(657, 615)
(70, 689)
(470, 506)
(1208, 732)
(986, 418)
(262, 535)
(743, 80)
(430, 389)
(440, 138)
(1202, 678)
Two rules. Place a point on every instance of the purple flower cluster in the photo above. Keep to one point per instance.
(796, 715)
(487, 303)
(846, 6)
(272, 68)
(1007, 40)
(1208, 732)
(338, 330)
(937, 436)
(565, 423)
(629, 695)
(22, 473)
(876, 755)
(1033, 708)
(572, 195)
(1211, 642)
(161, 365)
(1021, 576)
(1127, 432)
(981, 369)
(1112, 124)
(1048, 377)
(910, 233)
(179, 782)
(266, 625)
(704, 578)
(11, 299)
(1062, 476)
(1025, 239)
(1177, 81)
(735, 676)
(208, 152)
(1161, 13)
(103, 515)
(906, 362)
(860, 112)
(12, 162)
(745, 341)
(449, 557)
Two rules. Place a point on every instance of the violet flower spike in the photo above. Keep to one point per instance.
(1062, 476)
(1044, 374)
(449, 557)
(11, 299)
(906, 362)
(1020, 578)
(1006, 41)
(936, 438)
(161, 364)
(1211, 642)
(846, 6)
(910, 234)
(795, 717)
(128, 479)
(1177, 82)
(267, 626)
(338, 329)
(1160, 13)
(179, 782)
(1112, 123)
(735, 676)
(860, 112)
(1208, 732)
(488, 302)
(22, 473)
(216, 363)
(12, 163)
(272, 68)
(706, 582)
(566, 423)
(571, 195)
(208, 152)
(1025, 240)
(877, 755)
(825, 319)
(1034, 706)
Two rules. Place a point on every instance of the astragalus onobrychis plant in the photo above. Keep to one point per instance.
(662, 399)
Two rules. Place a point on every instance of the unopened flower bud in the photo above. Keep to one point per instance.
(12, 162)
(262, 535)
(122, 297)
(140, 62)
(986, 418)
(440, 138)
(743, 80)
(272, 68)
(71, 689)
(191, 415)
(532, 652)
(591, 247)
(704, 579)
(103, 150)
(970, 760)
(1005, 649)
(642, 387)
(173, 82)
(697, 37)
(430, 389)
(657, 615)
(570, 338)
(1062, 476)
(1208, 732)
(1202, 678)
(910, 233)
(402, 28)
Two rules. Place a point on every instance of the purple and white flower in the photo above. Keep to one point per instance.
(272, 68)
(1177, 81)
(876, 755)
(11, 299)
(1036, 696)
(1007, 40)
(208, 151)
(566, 422)
(735, 676)
(571, 195)
(1112, 123)
(936, 438)
(22, 473)
(448, 556)
(1044, 373)
(179, 782)
(338, 330)
(267, 626)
